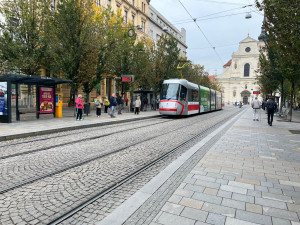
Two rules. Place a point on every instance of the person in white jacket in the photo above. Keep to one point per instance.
(137, 105)
(256, 107)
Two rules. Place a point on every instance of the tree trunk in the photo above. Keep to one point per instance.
(292, 100)
(281, 99)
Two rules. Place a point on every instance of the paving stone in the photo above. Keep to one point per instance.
(234, 221)
(253, 217)
(207, 198)
(275, 191)
(207, 184)
(194, 188)
(215, 219)
(248, 181)
(223, 210)
(241, 185)
(201, 223)
(254, 208)
(172, 208)
(289, 183)
(211, 191)
(244, 198)
(171, 219)
(295, 223)
(175, 199)
(204, 178)
(277, 197)
(277, 221)
(233, 203)
(192, 203)
(261, 188)
(224, 194)
(279, 213)
(184, 193)
(271, 203)
(254, 193)
(293, 207)
(233, 189)
(195, 214)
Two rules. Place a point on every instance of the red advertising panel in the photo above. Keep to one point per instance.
(46, 100)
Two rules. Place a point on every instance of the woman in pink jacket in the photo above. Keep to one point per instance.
(79, 107)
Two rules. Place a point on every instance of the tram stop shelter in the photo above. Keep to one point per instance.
(41, 83)
(149, 94)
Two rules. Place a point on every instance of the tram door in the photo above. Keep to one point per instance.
(183, 97)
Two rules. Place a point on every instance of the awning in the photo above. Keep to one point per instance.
(32, 80)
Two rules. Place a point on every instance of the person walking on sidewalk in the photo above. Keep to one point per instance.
(98, 104)
(120, 102)
(79, 107)
(256, 107)
(113, 104)
(137, 105)
(271, 107)
(106, 105)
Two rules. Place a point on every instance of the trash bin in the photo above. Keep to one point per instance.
(87, 108)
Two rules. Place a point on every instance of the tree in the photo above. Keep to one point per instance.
(21, 36)
(282, 31)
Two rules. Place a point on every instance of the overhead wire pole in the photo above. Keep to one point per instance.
(202, 32)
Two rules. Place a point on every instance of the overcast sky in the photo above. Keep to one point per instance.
(222, 32)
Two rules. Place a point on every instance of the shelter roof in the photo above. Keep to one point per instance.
(32, 79)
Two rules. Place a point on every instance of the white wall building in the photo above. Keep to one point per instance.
(239, 74)
(159, 25)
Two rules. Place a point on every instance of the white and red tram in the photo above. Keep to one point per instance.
(181, 97)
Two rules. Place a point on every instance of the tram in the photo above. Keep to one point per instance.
(181, 97)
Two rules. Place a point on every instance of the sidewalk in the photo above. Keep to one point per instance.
(250, 174)
(33, 126)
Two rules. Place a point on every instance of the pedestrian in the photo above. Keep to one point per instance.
(120, 104)
(256, 107)
(113, 104)
(79, 107)
(137, 104)
(98, 104)
(106, 105)
(263, 105)
(153, 103)
(126, 100)
(145, 101)
(157, 102)
(241, 104)
(271, 107)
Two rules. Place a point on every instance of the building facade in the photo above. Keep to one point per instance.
(239, 73)
(159, 25)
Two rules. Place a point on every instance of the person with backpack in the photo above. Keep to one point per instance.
(113, 104)
(106, 105)
(271, 107)
(120, 104)
(98, 104)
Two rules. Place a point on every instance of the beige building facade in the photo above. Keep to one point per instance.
(239, 73)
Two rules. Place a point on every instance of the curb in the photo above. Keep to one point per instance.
(51, 131)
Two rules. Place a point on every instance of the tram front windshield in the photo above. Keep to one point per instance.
(170, 91)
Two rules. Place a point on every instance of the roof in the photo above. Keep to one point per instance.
(228, 63)
(32, 80)
(212, 78)
(248, 39)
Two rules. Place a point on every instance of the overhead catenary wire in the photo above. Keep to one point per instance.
(202, 32)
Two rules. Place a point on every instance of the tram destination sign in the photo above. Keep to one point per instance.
(127, 78)
(256, 92)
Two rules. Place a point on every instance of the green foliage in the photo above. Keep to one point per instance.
(21, 37)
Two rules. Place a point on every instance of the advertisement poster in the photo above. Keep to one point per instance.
(3, 98)
(46, 100)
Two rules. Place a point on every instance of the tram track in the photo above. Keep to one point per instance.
(122, 181)
(82, 162)
(76, 141)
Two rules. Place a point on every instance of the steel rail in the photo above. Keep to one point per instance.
(132, 175)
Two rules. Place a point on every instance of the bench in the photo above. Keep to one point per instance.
(29, 112)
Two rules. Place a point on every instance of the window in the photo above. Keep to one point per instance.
(183, 92)
(125, 16)
(132, 19)
(248, 49)
(170, 91)
(97, 2)
(133, 2)
(235, 66)
(143, 25)
(193, 96)
(143, 7)
(108, 2)
(246, 70)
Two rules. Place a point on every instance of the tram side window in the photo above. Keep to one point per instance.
(193, 96)
(183, 93)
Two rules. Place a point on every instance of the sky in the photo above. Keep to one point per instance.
(218, 35)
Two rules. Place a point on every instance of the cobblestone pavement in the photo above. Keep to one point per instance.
(249, 176)
(40, 202)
